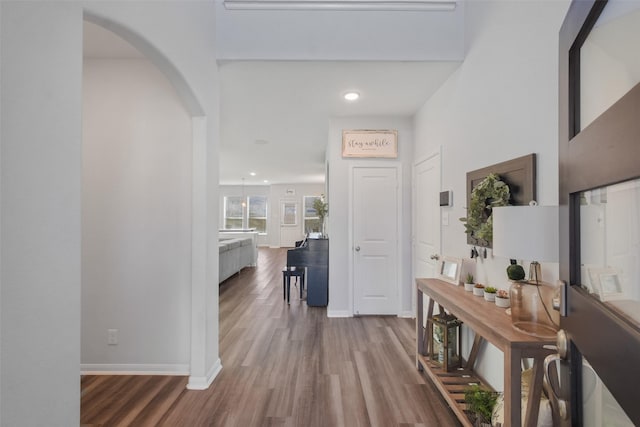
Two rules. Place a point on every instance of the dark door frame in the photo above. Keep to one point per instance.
(604, 153)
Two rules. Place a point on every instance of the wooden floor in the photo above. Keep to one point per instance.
(282, 366)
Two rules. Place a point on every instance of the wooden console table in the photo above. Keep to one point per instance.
(490, 323)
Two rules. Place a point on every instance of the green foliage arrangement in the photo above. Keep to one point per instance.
(489, 193)
(480, 402)
(469, 278)
(490, 290)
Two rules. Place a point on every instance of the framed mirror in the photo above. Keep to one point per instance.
(520, 176)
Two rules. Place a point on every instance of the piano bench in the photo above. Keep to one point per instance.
(287, 274)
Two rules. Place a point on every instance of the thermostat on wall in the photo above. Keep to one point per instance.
(446, 198)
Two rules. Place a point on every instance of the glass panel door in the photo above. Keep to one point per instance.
(610, 247)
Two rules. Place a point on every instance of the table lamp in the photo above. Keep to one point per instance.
(529, 233)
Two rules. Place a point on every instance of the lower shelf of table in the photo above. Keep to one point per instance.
(452, 386)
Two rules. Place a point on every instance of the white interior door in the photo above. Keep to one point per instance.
(427, 217)
(375, 202)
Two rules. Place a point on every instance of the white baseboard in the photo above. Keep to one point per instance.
(203, 383)
(347, 313)
(339, 313)
(133, 369)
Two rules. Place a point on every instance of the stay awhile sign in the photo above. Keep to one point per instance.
(370, 143)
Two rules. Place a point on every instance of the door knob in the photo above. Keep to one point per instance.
(435, 256)
(562, 345)
(357, 248)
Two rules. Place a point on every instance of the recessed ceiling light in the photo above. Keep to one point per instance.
(265, 181)
(351, 96)
(252, 173)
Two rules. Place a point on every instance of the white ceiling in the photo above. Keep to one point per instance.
(288, 105)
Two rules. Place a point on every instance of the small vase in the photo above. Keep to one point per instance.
(478, 291)
(469, 287)
(489, 296)
(532, 309)
(503, 302)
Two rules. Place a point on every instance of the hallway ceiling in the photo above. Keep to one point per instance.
(274, 115)
(289, 105)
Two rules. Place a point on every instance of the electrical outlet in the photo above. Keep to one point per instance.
(112, 336)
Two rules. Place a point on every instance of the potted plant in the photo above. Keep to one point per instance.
(515, 272)
(468, 283)
(502, 299)
(478, 290)
(490, 293)
(322, 209)
(480, 404)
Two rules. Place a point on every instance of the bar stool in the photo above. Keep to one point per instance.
(298, 274)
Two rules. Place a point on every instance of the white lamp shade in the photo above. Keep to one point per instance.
(526, 232)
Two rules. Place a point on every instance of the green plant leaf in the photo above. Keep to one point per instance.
(489, 193)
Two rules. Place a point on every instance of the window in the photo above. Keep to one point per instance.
(254, 216)
(311, 219)
(233, 212)
(258, 213)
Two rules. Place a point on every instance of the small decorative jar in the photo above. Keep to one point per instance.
(469, 283)
(490, 293)
(478, 290)
(502, 299)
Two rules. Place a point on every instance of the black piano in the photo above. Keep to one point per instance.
(313, 254)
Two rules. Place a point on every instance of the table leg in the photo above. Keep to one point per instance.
(512, 386)
(426, 350)
(535, 391)
(419, 334)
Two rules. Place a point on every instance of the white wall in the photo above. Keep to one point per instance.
(41, 190)
(136, 219)
(500, 104)
(179, 38)
(40, 185)
(340, 290)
